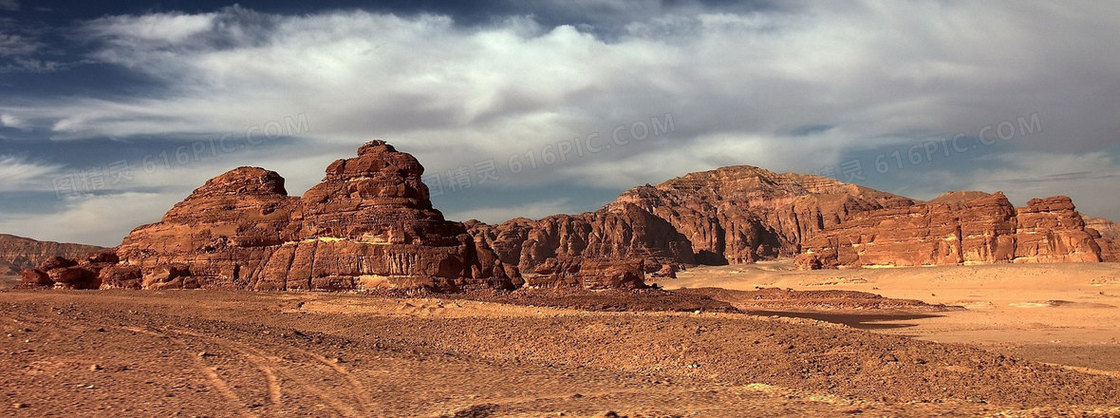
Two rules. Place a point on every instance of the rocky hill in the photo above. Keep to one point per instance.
(731, 215)
(17, 253)
(369, 224)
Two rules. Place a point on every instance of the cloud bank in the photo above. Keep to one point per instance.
(797, 88)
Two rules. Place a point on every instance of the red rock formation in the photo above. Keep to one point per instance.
(731, 215)
(66, 273)
(1051, 230)
(1107, 235)
(973, 228)
(368, 224)
(616, 232)
(957, 228)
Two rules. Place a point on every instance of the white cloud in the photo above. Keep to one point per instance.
(12, 121)
(99, 220)
(14, 44)
(870, 73)
(10, 5)
(17, 173)
(163, 28)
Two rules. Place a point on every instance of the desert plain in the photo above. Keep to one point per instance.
(742, 340)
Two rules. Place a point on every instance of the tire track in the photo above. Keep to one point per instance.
(211, 373)
(260, 358)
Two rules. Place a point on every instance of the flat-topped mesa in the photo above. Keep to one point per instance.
(955, 228)
(369, 224)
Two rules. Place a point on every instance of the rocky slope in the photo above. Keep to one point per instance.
(17, 253)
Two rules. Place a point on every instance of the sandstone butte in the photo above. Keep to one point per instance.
(370, 225)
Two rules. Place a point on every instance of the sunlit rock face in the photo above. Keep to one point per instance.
(957, 228)
(369, 224)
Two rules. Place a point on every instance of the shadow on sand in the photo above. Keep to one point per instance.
(854, 320)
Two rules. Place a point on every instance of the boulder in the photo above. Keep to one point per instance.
(121, 276)
(34, 278)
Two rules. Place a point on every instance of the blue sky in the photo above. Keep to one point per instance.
(111, 113)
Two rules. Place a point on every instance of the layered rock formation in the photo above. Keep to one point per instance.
(1051, 230)
(369, 224)
(1107, 235)
(731, 215)
(973, 228)
(956, 228)
(17, 253)
(743, 214)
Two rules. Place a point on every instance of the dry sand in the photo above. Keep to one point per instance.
(1065, 313)
(220, 353)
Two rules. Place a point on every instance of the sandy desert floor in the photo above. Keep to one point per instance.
(1060, 313)
(217, 353)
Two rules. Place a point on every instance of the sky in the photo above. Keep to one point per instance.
(111, 113)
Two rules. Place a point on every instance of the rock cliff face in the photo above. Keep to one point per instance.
(731, 215)
(369, 224)
(957, 228)
(17, 253)
(1051, 230)
(973, 228)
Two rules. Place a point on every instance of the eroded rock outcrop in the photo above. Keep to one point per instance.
(369, 224)
(1107, 235)
(68, 273)
(588, 273)
(1051, 230)
(957, 228)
